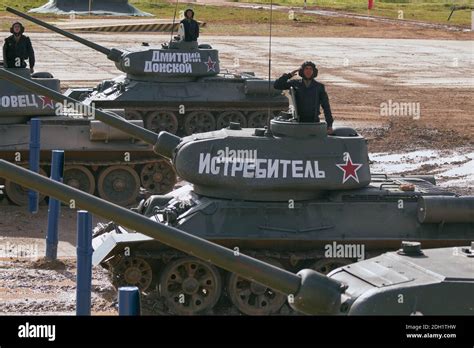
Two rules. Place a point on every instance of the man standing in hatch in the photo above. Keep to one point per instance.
(310, 94)
(17, 48)
(189, 28)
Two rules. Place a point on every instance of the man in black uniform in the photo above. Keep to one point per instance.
(310, 94)
(191, 27)
(18, 48)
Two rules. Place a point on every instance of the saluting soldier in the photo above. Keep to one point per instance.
(310, 94)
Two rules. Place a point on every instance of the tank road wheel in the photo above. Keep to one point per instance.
(132, 271)
(257, 119)
(252, 298)
(158, 177)
(80, 178)
(190, 286)
(18, 194)
(199, 122)
(230, 116)
(325, 266)
(119, 185)
(134, 114)
(158, 121)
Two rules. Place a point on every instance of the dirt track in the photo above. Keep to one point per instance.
(360, 73)
(40, 288)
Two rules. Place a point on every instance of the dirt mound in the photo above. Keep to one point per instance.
(406, 135)
(44, 263)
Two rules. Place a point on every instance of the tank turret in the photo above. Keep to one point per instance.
(18, 105)
(147, 63)
(177, 87)
(370, 287)
(293, 161)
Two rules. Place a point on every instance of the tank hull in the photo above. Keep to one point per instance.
(210, 101)
(334, 230)
(421, 280)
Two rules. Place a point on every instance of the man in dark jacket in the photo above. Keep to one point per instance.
(310, 94)
(191, 27)
(17, 48)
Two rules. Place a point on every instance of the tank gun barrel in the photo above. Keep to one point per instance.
(85, 42)
(312, 293)
(115, 121)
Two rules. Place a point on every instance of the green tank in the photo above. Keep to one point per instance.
(99, 158)
(177, 88)
(410, 281)
(290, 195)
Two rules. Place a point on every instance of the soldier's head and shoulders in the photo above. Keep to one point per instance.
(188, 15)
(308, 73)
(17, 31)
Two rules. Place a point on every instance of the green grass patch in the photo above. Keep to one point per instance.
(434, 11)
(23, 5)
(210, 14)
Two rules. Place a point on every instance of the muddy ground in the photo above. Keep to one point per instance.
(38, 287)
(360, 73)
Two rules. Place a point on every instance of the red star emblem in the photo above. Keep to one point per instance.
(211, 65)
(47, 101)
(350, 169)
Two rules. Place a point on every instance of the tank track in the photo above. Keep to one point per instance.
(200, 119)
(154, 303)
(155, 176)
